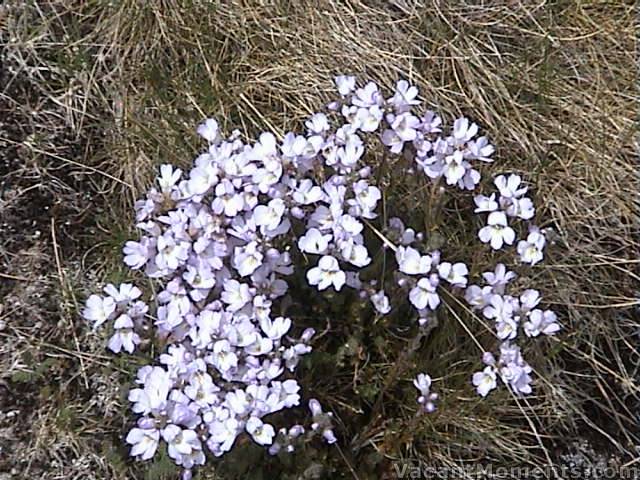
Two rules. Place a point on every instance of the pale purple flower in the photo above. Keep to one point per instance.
(345, 83)
(485, 381)
(497, 232)
(137, 254)
(124, 337)
(124, 293)
(327, 274)
(247, 259)
(427, 398)
(380, 302)
(262, 433)
(485, 204)
(404, 97)
(317, 123)
(510, 186)
(499, 278)
(480, 149)
(478, 297)
(144, 442)
(541, 322)
(463, 131)
(168, 178)
(411, 262)
(314, 242)
(367, 96)
(455, 274)
(99, 309)
(184, 447)
(530, 250)
(424, 294)
(209, 130)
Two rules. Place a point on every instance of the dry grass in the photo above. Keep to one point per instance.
(95, 94)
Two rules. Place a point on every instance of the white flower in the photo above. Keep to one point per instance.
(138, 253)
(209, 130)
(262, 433)
(507, 329)
(541, 322)
(367, 197)
(368, 119)
(235, 294)
(153, 397)
(168, 177)
(424, 294)
(327, 273)
(275, 329)
(478, 297)
(455, 274)
(522, 208)
(124, 336)
(247, 259)
(314, 242)
(357, 255)
(269, 216)
(307, 193)
(509, 187)
(485, 381)
(381, 302)
(497, 232)
(404, 96)
(454, 167)
(223, 356)
(223, 434)
(202, 178)
(411, 262)
(462, 131)
(499, 308)
(485, 204)
(171, 253)
(183, 446)
(99, 309)
(345, 83)
(423, 383)
(144, 442)
(481, 149)
(125, 293)
(530, 250)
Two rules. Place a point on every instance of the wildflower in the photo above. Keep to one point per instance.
(124, 337)
(99, 309)
(427, 398)
(209, 130)
(381, 302)
(485, 381)
(327, 273)
(144, 442)
(509, 186)
(314, 242)
(530, 250)
(424, 294)
(497, 232)
(411, 262)
(544, 322)
(455, 274)
(262, 433)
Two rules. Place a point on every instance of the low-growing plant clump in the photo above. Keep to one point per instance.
(225, 243)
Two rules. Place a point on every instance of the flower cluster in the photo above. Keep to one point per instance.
(508, 313)
(221, 239)
(427, 399)
(121, 304)
(511, 203)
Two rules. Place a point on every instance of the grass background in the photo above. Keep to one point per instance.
(95, 94)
